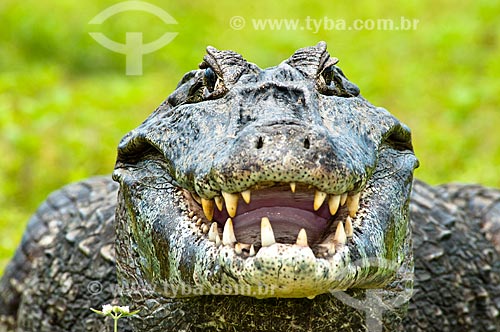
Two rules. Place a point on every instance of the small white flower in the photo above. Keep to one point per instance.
(122, 310)
(107, 309)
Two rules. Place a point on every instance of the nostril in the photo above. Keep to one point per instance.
(260, 143)
(307, 144)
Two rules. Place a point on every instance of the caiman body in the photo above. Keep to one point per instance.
(262, 200)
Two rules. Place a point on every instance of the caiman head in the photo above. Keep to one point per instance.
(277, 182)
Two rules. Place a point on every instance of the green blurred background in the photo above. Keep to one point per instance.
(65, 100)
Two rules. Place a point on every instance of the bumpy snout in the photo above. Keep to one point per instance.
(293, 152)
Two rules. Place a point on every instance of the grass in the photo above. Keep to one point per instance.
(65, 101)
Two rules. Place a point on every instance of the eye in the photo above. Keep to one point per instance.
(333, 82)
(210, 79)
(198, 85)
(399, 138)
(328, 74)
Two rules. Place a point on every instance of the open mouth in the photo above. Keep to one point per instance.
(287, 213)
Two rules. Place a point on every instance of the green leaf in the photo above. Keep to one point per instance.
(97, 311)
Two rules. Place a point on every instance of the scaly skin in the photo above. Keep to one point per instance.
(231, 131)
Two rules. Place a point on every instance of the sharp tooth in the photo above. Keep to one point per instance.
(228, 237)
(311, 297)
(219, 202)
(252, 251)
(348, 227)
(319, 198)
(205, 228)
(302, 238)
(191, 214)
(237, 249)
(292, 186)
(333, 203)
(217, 239)
(343, 198)
(213, 232)
(353, 204)
(266, 232)
(340, 236)
(208, 208)
(231, 203)
(246, 196)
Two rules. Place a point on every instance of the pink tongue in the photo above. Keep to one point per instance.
(285, 221)
(288, 212)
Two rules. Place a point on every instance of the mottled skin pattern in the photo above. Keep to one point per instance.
(229, 127)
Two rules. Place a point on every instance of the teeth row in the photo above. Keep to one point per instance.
(335, 201)
(342, 233)
(231, 200)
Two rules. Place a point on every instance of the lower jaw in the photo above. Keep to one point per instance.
(286, 224)
(292, 271)
(283, 271)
